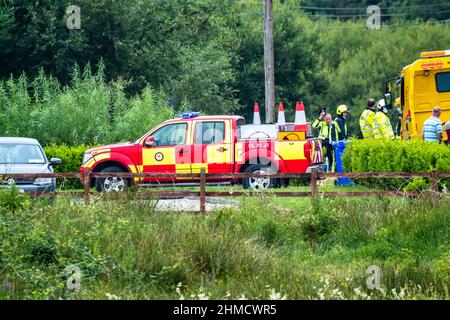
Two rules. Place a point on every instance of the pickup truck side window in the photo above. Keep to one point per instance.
(171, 135)
(209, 132)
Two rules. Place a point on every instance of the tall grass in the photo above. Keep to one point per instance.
(88, 111)
(125, 249)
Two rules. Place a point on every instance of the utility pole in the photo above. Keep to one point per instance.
(269, 63)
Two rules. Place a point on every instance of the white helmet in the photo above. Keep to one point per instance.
(382, 105)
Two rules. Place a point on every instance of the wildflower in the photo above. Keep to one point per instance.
(337, 293)
(202, 296)
(276, 295)
(360, 293)
(112, 296)
(242, 297)
(321, 294)
(178, 291)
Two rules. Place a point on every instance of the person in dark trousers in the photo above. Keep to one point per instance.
(324, 127)
(339, 131)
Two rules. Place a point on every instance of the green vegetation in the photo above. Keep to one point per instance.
(89, 111)
(207, 53)
(127, 250)
(397, 156)
(131, 67)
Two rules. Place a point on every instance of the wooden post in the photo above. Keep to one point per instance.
(87, 187)
(314, 182)
(269, 63)
(202, 191)
(434, 186)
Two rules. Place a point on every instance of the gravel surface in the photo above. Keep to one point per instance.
(193, 204)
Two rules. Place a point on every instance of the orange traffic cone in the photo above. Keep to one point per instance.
(256, 117)
(300, 117)
(281, 118)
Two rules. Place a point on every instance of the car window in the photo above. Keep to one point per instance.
(171, 135)
(12, 153)
(209, 132)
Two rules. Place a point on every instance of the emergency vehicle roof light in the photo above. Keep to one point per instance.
(189, 115)
(433, 54)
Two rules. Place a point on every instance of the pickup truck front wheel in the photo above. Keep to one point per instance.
(262, 183)
(111, 184)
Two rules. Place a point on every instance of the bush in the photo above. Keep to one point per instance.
(396, 156)
(12, 199)
(71, 158)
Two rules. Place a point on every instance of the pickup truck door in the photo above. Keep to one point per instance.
(212, 146)
(171, 151)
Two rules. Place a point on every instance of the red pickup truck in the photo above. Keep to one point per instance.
(220, 144)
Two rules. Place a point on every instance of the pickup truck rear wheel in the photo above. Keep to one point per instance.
(112, 184)
(262, 183)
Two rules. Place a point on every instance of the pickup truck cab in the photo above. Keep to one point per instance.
(220, 144)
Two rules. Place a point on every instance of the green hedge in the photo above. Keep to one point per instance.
(71, 161)
(396, 156)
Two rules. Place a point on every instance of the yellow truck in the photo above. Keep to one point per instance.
(423, 84)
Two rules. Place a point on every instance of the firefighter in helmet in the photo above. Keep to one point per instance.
(339, 131)
(382, 128)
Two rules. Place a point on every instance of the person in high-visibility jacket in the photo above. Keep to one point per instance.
(339, 131)
(366, 119)
(382, 128)
(324, 125)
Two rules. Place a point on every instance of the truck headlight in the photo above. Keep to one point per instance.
(86, 157)
(43, 181)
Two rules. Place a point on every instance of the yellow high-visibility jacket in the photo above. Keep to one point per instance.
(382, 127)
(324, 130)
(366, 123)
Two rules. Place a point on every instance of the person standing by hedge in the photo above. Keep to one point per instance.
(324, 126)
(366, 119)
(447, 129)
(382, 128)
(339, 132)
(432, 127)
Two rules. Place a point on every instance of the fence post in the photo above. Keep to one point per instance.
(87, 186)
(202, 191)
(434, 185)
(313, 182)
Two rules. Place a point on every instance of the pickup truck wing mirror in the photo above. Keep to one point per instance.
(149, 141)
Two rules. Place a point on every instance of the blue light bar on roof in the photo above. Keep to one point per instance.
(189, 115)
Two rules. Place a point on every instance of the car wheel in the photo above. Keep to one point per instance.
(112, 184)
(262, 183)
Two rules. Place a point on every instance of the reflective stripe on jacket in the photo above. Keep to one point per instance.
(382, 126)
(366, 123)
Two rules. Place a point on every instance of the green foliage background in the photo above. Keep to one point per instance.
(88, 111)
(204, 53)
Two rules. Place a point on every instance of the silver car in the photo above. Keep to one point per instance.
(25, 155)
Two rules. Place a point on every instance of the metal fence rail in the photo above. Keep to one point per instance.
(203, 177)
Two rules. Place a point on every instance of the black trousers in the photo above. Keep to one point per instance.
(329, 154)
